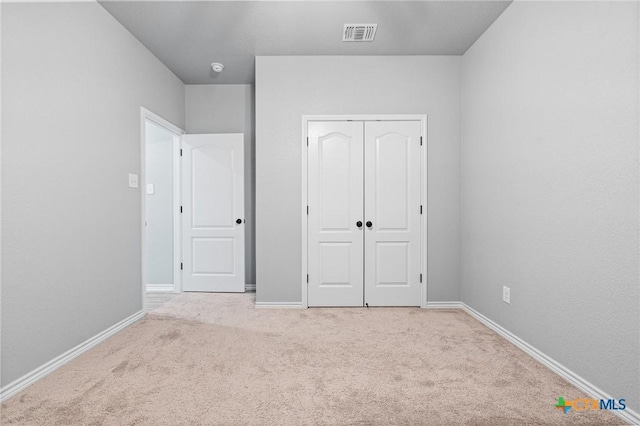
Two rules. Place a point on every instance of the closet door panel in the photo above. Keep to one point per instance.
(335, 200)
(392, 267)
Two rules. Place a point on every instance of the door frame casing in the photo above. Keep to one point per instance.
(304, 191)
(147, 115)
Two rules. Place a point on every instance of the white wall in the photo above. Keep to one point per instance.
(73, 82)
(229, 108)
(159, 205)
(289, 87)
(550, 184)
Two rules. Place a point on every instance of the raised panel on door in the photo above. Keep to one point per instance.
(212, 202)
(335, 199)
(392, 205)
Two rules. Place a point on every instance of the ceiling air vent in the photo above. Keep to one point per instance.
(359, 32)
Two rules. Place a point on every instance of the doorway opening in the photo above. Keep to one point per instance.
(160, 201)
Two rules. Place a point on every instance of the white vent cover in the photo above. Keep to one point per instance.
(359, 32)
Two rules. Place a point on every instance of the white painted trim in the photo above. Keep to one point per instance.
(576, 380)
(45, 369)
(143, 206)
(249, 287)
(177, 217)
(147, 115)
(161, 288)
(279, 305)
(364, 117)
(443, 305)
(424, 222)
(304, 191)
(304, 259)
(151, 116)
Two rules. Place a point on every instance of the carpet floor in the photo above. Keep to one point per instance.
(212, 359)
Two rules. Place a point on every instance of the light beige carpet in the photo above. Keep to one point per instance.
(207, 359)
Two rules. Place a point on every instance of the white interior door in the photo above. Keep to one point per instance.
(213, 213)
(335, 205)
(392, 213)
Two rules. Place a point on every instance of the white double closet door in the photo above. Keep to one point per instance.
(364, 213)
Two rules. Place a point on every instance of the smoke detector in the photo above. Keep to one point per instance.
(217, 67)
(359, 32)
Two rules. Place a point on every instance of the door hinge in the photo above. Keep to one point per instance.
(181, 266)
(420, 277)
(307, 209)
(420, 209)
(420, 140)
(307, 140)
(180, 152)
(307, 278)
(180, 209)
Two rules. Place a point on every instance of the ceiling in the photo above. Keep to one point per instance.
(187, 36)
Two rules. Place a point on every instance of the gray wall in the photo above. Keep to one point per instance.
(550, 184)
(159, 205)
(73, 81)
(288, 88)
(229, 108)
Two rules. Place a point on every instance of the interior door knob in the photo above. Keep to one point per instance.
(238, 221)
(369, 224)
(359, 224)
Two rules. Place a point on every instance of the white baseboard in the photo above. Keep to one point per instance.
(161, 288)
(576, 380)
(278, 305)
(28, 379)
(250, 287)
(444, 305)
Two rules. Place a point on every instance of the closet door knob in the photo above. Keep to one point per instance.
(359, 224)
(238, 221)
(369, 224)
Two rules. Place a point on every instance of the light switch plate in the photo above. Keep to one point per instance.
(506, 294)
(149, 188)
(133, 180)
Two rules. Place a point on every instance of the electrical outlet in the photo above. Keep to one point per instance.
(506, 294)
